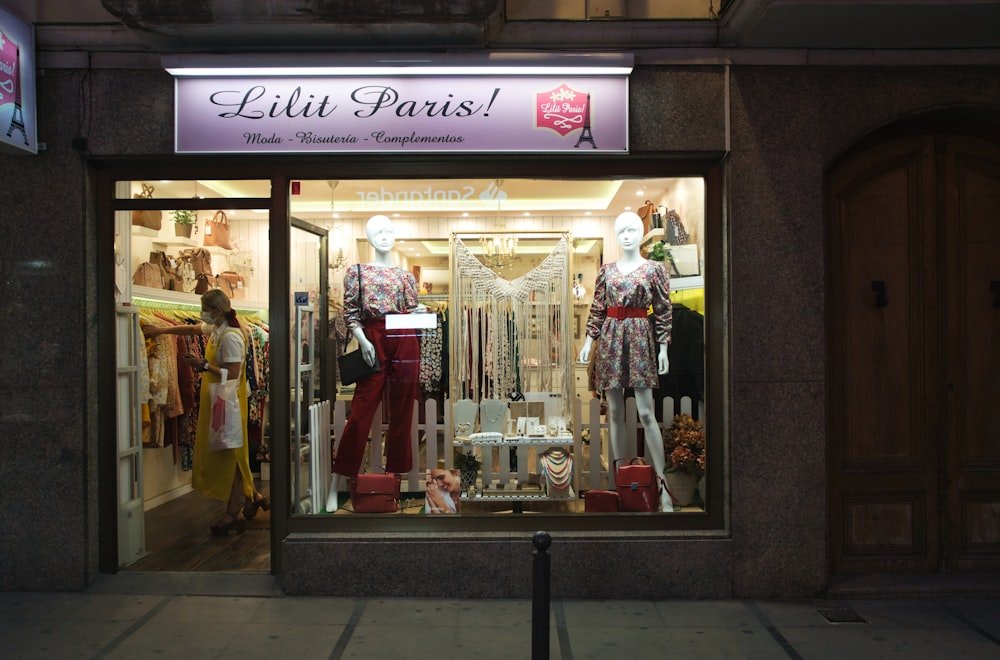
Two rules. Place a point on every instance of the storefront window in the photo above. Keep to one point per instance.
(484, 296)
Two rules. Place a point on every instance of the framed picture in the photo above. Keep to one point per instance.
(556, 426)
(444, 491)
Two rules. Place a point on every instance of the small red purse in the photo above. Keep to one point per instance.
(375, 493)
(636, 487)
(601, 501)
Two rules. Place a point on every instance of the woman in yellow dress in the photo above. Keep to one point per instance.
(221, 475)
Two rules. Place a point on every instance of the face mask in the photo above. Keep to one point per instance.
(207, 317)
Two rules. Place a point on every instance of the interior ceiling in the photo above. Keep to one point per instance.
(321, 201)
(326, 203)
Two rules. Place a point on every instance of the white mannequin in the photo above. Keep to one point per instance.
(381, 236)
(628, 231)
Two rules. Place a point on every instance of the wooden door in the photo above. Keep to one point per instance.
(914, 446)
(971, 354)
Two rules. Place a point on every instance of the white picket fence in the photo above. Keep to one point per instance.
(432, 446)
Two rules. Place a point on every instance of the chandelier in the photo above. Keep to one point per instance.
(499, 249)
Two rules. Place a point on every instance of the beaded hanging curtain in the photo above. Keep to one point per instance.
(512, 335)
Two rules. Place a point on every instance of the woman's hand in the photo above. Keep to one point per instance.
(152, 331)
(193, 361)
(434, 501)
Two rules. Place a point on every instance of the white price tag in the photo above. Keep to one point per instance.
(410, 321)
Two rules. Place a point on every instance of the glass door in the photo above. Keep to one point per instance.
(308, 277)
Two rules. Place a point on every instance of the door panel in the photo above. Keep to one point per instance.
(883, 510)
(914, 328)
(973, 358)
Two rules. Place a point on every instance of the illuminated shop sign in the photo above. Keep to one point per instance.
(565, 112)
(17, 85)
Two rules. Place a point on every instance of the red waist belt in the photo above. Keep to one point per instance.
(627, 312)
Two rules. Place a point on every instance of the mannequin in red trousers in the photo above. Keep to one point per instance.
(385, 289)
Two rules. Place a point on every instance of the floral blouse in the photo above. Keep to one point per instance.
(388, 290)
(626, 355)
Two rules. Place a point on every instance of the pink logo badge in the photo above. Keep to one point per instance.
(562, 109)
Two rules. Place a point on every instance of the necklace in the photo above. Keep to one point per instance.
(462, 428)
(558, 468)
(497, 407)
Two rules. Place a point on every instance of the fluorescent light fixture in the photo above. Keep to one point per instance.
(453, 64)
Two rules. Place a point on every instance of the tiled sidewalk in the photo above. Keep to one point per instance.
(250, 618)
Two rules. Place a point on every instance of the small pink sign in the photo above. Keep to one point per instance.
(8, 68)
(562, 109)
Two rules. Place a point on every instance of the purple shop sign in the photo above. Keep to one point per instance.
(17, 86)
(442, 114)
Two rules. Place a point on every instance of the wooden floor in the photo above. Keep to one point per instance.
(178, 539)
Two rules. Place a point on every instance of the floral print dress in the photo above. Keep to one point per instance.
(626, 355)
(388, 290)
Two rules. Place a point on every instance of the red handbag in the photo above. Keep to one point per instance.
(636, 487)
(601, 501)
(375, 493)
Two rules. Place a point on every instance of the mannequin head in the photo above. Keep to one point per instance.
(380, 233)
(628, 230)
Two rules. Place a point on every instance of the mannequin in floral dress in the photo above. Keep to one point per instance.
(631, 353)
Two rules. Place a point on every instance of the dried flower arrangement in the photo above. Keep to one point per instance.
(684, 445)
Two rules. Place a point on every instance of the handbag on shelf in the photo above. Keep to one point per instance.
(167, 264)
(203, 283)
(150, 275)
(601, 501)
(635, 483)
(375, 493)
(352, 366)
(148, 219)
(645, 214)
(237, 284)
(217, 231)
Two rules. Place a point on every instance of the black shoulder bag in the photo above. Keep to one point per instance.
(352, 366)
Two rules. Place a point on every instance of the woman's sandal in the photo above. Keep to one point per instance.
(230, 521)
(252, 505)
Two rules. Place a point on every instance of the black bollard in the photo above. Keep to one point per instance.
(540, 597)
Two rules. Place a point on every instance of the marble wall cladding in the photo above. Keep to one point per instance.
(43, 373)
(788, 125)
(502, 566)
(677, 109)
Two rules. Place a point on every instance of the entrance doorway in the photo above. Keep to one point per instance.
(914, 353)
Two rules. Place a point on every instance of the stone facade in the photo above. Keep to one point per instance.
(788, 125)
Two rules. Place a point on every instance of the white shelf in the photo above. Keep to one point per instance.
(653, 235)
(519, 441)
(684, 283)
(177, 240)
(145, 231)
(183, 298)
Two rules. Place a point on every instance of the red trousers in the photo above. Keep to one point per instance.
(399, 373)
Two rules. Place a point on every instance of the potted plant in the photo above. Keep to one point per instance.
(468, 463)
(183, 222)
(684, 446)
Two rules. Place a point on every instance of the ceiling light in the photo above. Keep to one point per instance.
(437, 64)
(498, 250)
